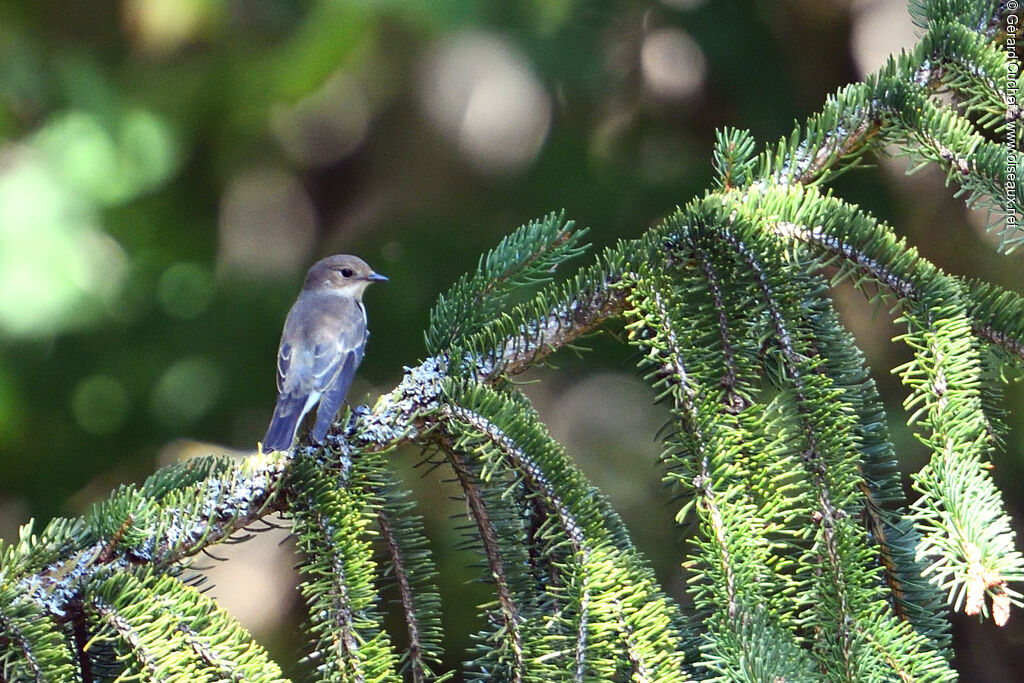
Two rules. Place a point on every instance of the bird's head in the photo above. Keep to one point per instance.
(341, 274)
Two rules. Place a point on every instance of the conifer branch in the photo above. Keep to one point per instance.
(982, 323)
(534, 478)
(417, 650)
(541, 336)
(333, 519)
(827, 514)
(778, 447)
(671, 372)
(730, 379)
(492, 551)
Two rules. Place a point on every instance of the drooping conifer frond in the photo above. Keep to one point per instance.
(808, 428)
(410, 567)
(587, 588)
(940, 332)
(333, 522)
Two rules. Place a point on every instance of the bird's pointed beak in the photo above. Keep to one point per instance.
(376, 277)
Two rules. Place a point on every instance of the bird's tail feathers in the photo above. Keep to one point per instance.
(281, 432)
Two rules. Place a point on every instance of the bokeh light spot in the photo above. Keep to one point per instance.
(160, 27)
(58, 270)
(187, 391)
(184, 290)
(149, 152)
(605, 434)
(109, 162)
(325, 126)
(267, 224)
(880, 29)
(672, 63)
(100, 404)
(81, 150)
(482, 93)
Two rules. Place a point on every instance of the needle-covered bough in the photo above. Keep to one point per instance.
(807, 564)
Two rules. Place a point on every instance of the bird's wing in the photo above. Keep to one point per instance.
(284, 361)
(338, 377)
(312, 354)
(329, 361)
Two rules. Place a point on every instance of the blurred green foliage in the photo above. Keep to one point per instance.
(169, 168)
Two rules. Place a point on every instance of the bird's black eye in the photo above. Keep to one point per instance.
(346, 272)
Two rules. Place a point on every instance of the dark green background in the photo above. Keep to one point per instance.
(135, 135)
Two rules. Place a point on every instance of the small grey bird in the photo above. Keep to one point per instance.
(321, 347)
